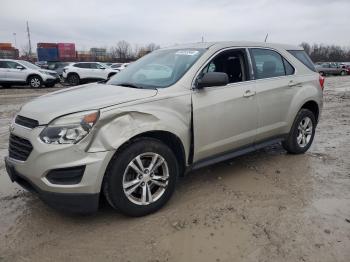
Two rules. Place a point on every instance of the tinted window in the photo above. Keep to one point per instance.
(82, 65)
(3, 64)
(302, 56)
(12, 65)
(231, 62)
(288, 67)
(267, 63)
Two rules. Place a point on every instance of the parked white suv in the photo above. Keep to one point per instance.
(172, 111)
(77, 73)
(20, 72)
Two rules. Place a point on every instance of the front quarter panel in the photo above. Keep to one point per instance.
(170, 113)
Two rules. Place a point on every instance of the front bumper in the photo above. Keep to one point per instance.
(33, 173)
(66, 202)
(52, 80)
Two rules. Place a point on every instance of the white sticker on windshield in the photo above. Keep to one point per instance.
(187, 52)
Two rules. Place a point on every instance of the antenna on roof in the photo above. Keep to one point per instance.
(267, 35)
(29, 42)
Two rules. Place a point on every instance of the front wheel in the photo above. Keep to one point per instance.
(141, 178)
(35, 82)
(73, 79)
(302, 133)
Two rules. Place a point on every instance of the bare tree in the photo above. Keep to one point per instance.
(151, 47)
(123, 50)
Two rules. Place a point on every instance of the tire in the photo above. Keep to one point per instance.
(121, 177)
(343, 73)
(301, 134)
(73, 79)
(35, 81)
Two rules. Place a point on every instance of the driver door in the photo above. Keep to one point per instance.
(225, 117)
(13, 73)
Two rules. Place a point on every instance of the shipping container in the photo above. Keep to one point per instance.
(5, 45)
(47, 54)
(9, 54)
(46, 45)
(66, 51)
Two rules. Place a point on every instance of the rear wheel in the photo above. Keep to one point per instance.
(141, 178)
(35, 81)
(73, 79)
(343, 73)
(302, 133)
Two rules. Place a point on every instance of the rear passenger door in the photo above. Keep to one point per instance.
(275, 86)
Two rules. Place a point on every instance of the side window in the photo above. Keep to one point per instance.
(12, 65)
(77, 65)
(3, 64)
(267, 63)
(231, 62)
(94, 66)
(288, 67)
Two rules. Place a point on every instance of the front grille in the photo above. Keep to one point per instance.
(19, 148)
(27, 122)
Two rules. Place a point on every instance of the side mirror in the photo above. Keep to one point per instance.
(20, 67)
(102, 68)
(212, 79)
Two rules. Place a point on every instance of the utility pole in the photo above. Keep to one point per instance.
(29, 42)
(202, 39)
(267, 35)
(14, 35)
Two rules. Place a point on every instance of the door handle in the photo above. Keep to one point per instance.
(293, 84)
(249, 93)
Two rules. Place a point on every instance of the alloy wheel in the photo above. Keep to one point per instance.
(146, 178)
(305, 129)
(35, 82)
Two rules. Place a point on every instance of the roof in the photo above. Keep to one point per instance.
(220, 45)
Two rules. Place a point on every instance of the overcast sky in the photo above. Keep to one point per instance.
(90, 23)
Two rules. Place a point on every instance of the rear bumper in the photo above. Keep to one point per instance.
(82, 203)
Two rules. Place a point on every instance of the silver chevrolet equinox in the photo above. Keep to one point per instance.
(172, 111)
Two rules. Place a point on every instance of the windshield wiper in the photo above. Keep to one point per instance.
(129, 85)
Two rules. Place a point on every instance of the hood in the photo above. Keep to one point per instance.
(85, 97)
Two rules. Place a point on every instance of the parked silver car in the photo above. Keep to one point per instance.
(331, 69)
(132, 137)
(20, 72)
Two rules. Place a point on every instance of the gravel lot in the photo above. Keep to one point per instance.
(265, 206)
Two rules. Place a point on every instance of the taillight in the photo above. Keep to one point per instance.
(321, 79)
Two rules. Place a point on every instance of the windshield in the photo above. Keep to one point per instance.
(159, 69)
(29, 65)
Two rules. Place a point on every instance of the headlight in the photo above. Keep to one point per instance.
(69, 129)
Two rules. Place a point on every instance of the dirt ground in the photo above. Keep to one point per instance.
(265, 206)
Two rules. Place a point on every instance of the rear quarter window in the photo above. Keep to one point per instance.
(303, 57)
